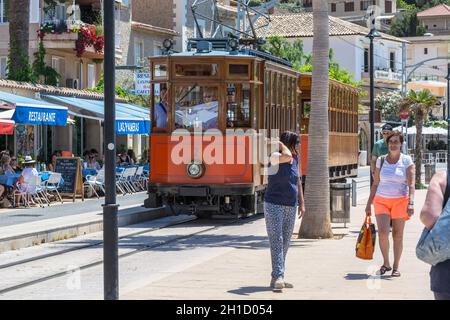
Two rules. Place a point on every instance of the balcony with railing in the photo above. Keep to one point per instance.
(74, 27)
(383, 74)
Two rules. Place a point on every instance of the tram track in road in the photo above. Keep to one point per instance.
(25, 265)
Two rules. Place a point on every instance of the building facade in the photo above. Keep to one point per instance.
(185, 23)
(75, 72)
(356, 11)
(436, 20)
(139, 32)
(435, 50)
(351, 51)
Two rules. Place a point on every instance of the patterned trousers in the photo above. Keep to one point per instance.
(280, 221)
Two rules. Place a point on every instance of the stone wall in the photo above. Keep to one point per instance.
(158, 13)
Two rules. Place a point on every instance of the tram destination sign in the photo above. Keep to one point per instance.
(142, 83)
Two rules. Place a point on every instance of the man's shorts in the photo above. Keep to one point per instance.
(396, 208)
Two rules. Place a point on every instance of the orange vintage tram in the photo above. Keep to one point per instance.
(232, 96)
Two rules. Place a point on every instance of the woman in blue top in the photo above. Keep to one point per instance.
(283, 194)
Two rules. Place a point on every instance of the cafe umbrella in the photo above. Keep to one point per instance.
(6, 126)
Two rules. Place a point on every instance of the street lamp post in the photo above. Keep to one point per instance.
(110, 208)
(372, 35)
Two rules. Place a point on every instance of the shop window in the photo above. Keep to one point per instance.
(4, 11)
(3, 64)
(196, 107)
(91, 75)
(238, 105)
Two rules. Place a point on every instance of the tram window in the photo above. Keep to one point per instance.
(289, 90)
(257, 73)
(238, 105)
(280, 90)
(274, 88)
(159, 70)
(257, 108)
(161, 105)
(240, 70)
(196, 107)
(196, 70)
(306, 109)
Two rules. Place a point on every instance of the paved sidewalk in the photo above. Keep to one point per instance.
(10, 217)
(319, 269)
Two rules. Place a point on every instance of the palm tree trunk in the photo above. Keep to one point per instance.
(418, 150)
(316, 221)
(19, 23)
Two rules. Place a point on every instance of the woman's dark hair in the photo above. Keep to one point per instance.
(290, 139)
(395, 134)
(131, 154)
(51, 157)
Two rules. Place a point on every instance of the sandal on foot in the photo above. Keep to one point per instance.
(383, 270)
(396, 273)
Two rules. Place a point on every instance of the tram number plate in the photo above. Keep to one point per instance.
(193, 191)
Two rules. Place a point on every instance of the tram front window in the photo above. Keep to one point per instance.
(161, 106)
(196, 107)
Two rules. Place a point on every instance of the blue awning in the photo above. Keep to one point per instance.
(33, 111)
(130, 119)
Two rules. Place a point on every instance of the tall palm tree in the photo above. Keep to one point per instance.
(419, 104)
(316, 221)
(19, 23)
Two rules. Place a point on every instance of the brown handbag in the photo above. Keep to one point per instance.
(365, 245)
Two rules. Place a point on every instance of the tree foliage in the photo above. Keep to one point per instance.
(293, 52)
(407, 24)
(41, 71)
(419, 104)
(389, 105)
(120, 92)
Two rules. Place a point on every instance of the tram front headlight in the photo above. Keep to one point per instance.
(195, 170)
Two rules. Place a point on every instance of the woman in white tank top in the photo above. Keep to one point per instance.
(392, 195)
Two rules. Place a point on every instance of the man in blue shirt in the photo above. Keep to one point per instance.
(380, 147)
(161, 110)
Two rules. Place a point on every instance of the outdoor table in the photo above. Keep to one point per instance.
(9, 179)
(120, 169)
(45, 175)
(88, 172)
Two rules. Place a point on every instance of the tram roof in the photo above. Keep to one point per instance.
(216, 53)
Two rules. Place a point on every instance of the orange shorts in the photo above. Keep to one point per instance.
(395, 207)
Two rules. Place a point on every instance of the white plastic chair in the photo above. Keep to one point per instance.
(138, 178)
(96, 181)
(22, 195)
(124, 180)
(34, 190)
(52, 184)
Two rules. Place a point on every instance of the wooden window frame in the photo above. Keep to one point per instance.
(230, 76)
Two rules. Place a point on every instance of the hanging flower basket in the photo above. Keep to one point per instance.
(87, 35)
